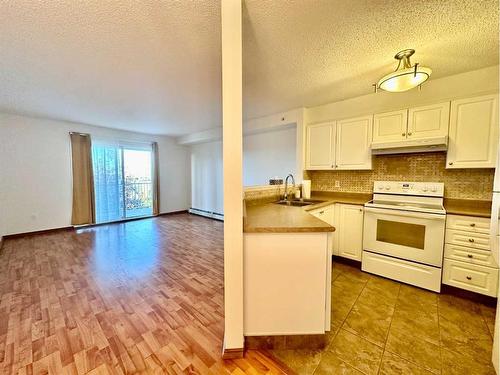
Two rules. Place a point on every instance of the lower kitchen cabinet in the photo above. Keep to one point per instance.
(350, 231)
(327, 214)
(468, 262)
(347, 240)
(471, 277)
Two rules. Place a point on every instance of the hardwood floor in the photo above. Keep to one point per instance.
(138, 297)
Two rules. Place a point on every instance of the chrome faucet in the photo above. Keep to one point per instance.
(285, 196)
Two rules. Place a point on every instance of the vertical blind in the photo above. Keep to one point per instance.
(107, 163)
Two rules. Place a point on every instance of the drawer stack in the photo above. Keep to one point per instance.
(468, 263)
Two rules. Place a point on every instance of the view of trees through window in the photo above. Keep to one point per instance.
(138, 182)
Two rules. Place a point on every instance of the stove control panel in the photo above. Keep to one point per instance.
(428, 189)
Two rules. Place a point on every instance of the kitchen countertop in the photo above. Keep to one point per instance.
(268, 217)
(468, 207)
(333, 197)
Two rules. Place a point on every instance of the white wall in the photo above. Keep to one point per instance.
(269, 154)
(265, 155)
(467, 84)
(206, 177)
(35, 171)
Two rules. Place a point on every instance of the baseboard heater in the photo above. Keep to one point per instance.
(210, 214)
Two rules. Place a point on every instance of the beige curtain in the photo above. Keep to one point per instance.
(83, 179)
(156, 180)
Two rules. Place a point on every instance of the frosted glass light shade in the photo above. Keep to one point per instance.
(404, 79)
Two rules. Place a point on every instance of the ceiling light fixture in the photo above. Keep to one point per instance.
(404, 77)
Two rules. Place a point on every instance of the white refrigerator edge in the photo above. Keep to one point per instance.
(495, 248)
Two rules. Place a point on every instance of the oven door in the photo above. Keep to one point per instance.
(414, 236)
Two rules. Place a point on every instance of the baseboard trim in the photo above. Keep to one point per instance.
(173, 213)
(466, 294)
(312, 341)
(209, 214)
(232, 353)
(36, 232)
(349, 262)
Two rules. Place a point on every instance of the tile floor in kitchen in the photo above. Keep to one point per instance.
(381, 326)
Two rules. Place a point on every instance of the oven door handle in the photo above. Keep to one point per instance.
(417, 215)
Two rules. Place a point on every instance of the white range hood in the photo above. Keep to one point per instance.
(410, 145)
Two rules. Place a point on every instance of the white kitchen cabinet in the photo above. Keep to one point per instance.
(343, 144)
(350, 231)
(328, 215)
(412, 124)
(473, 136)
(320, 146)
(475, 278)
(353, 143)
(390, 126)
(428, 121)
(468, 262)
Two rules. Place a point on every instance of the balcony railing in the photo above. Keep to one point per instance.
(138, 198)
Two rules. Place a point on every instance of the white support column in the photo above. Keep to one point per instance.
(301, 144)
(232, 136)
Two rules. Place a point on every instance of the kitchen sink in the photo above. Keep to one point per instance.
(298, 202)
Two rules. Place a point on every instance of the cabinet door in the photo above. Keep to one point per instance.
(350, 231)
(390, 126)
(428, 121)
(353, 143)
(327, 214)
(473, 139)
(320, 146)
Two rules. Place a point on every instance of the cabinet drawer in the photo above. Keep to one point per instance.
(468, 239)
(471, 277)
(468, 223)
(469, 255)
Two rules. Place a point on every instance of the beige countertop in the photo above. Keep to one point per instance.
(468, 207)
(332, 197)
(273, 218)
(267, 217)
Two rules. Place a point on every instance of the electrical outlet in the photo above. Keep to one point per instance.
(337, 184)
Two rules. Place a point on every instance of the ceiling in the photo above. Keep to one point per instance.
(306, 53)
(149, 66)
(154, 66)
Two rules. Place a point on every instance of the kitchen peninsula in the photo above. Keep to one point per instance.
(287, 258)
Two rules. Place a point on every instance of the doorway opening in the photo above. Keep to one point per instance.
(123, 181)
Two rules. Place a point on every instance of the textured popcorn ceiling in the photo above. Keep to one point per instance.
(154, 66)
(306, 53)
(149, 66)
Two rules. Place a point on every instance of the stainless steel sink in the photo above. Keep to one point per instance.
(298, 202)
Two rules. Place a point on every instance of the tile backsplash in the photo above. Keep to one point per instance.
(458, 183)
(262, 194)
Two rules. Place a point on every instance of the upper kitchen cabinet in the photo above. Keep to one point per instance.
(412, 124)
(390, 126)
(320, 146)
(473, 133)
(343, 144)
(353, 143)
(428, 121)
